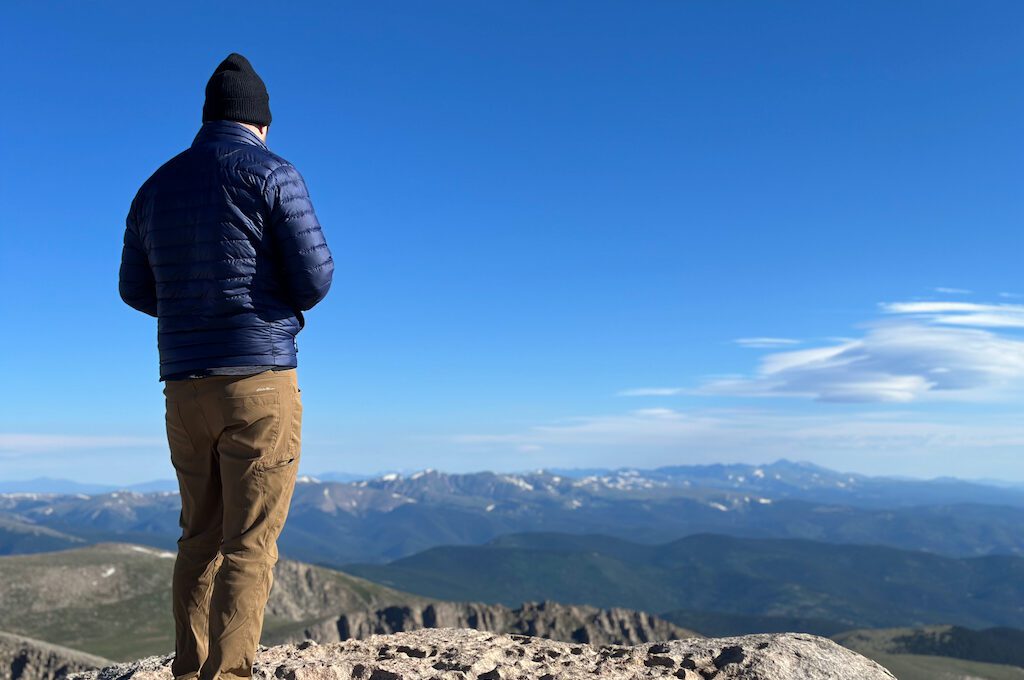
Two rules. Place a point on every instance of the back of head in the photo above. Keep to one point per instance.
(236, 92)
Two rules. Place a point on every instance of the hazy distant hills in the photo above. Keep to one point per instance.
(393, 516)
(67, 486)
(851, 586)
(19, 535)
(51, 485)
(809, 482)
(782, 479)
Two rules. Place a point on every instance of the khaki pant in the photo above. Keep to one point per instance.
(235, 444)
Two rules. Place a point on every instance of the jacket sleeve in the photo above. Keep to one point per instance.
(297, 239)
(135, 280)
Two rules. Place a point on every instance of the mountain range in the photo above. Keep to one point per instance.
(393, 516)
(781, 479)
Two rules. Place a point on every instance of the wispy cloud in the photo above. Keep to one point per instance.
(953, 291)
(920, 351)
(651, 392)
(20, 442)
(766, 342)
(961, 313)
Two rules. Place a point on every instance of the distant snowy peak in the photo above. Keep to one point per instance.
(730, 485)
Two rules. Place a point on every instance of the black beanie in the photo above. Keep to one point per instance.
(236, 92)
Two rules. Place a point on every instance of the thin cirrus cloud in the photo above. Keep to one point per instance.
(765, 342)
(920, 351)
(651, 392)
(761, 342)
(961, 313)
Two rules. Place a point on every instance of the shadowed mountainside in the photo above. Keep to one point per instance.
(853, 586)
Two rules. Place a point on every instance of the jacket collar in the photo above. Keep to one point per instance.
(227, 131)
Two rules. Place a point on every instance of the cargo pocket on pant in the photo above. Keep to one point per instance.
(273, 466)
(277, 484)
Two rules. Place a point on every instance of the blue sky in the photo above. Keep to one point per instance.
(566, 234)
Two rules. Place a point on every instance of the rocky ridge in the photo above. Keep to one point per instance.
(466, 654)
(90, 598)
(568, 623)
(29, 659)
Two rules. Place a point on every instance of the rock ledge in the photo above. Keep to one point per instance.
(468, 654)
(26, 658)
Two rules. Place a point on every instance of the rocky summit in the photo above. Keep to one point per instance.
(24, 658)
(468, 654)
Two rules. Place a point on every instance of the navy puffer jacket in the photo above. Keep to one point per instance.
(223, 247)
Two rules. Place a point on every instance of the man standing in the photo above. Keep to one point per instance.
(223, 247)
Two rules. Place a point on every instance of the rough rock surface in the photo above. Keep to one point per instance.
(23, 658)
(466, 654)
(568, 623)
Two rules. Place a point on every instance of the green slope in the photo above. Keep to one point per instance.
(849, 585)
(993, 645)
(920, 667)
(910, 653)
(113, 599)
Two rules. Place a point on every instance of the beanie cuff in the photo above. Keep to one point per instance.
(253, 110)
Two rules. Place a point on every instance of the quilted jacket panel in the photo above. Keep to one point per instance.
(222, 245)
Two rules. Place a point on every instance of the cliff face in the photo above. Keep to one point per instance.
(303, 591)
(28, 659)
(466, 654)
(567, 623)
